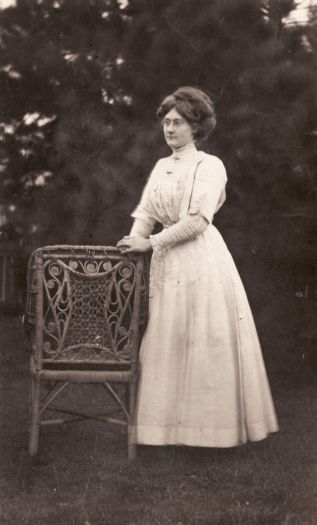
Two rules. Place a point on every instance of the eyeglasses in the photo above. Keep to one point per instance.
(176, 122)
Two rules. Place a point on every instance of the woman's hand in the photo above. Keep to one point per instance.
(134, 243)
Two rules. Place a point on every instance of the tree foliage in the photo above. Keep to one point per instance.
(80, 83)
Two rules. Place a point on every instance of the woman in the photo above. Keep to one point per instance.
(202, 376)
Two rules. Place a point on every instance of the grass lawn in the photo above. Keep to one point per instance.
(82, 476)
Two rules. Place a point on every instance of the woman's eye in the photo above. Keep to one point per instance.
(176, 123)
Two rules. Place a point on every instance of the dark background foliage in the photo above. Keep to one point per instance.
(80, 83)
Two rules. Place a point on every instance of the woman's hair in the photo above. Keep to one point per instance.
(195, 107)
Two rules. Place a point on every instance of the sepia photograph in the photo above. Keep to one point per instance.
(158, 262)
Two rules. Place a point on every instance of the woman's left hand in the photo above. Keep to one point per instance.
(134, 243)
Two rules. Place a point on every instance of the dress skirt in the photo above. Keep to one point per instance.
(202, 377)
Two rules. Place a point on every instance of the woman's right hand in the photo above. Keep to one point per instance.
(134, 243)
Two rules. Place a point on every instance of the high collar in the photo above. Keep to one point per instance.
(186, 151)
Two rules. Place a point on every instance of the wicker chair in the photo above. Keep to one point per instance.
(85, 307)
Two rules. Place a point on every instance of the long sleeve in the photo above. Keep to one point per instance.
(183, 230)
(143, 227)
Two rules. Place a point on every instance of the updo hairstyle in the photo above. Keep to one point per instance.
(195, 107)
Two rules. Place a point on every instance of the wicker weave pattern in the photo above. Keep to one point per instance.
(85, 307)
(87, 304)
(88, 310)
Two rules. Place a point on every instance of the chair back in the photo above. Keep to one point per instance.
(85, 303)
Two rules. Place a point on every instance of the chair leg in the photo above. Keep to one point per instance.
(131, 438)
(35, 416)
(131, 451)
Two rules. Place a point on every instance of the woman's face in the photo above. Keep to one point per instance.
(177, 131)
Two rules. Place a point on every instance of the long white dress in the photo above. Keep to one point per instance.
(202, 377)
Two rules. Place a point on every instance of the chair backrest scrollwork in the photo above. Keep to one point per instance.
(85, 302)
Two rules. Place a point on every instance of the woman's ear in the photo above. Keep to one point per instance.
(194, 130)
